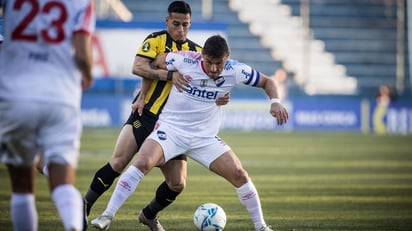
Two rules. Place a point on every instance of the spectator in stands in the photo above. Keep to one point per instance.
(383, 98)
(385, 94)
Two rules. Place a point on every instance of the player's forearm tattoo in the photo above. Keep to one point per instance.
(155, 76)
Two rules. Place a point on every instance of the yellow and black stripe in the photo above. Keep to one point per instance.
(154, 44)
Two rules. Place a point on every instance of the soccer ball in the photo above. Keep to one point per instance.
(209, 217)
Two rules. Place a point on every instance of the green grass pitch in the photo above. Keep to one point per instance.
(306, 181)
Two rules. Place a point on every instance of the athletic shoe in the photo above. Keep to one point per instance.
(265, 228)
(153, 224)
(102, 222)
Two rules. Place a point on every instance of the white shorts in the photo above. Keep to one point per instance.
(29, 128)
(204, 150)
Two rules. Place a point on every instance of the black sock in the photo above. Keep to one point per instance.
(164, 197)
(102, 181)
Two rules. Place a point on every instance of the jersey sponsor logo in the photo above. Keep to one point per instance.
(194, 91)
(39, 56)
(170, 62)
(161, 135)
(190, 61)
(219, 81)
(146, 47)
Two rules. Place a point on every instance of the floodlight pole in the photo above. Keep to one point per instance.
(400, 47)
(409, 14)
(305, 15)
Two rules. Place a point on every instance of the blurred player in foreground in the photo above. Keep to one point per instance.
(45, 62)
(190, 121)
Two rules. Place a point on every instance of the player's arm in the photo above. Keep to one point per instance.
(276, 109)
(83, 57)
(143, 67)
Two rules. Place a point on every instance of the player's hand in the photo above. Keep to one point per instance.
(280, 113)
(223, 100)
(180, 82)
(138, 105)
(87, 82)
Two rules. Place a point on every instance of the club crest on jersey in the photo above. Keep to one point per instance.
(203, 82)
(146, 47)
(219, 81)
(161, 135)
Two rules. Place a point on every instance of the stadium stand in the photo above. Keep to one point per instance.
(244, 46)
(361, 34)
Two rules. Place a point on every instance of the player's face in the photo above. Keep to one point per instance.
(178, 26)
(213, 66)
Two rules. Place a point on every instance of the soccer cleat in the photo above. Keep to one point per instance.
(102, 222)
(153, 224)
(265, 228)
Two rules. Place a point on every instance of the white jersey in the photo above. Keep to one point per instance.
(194, 111)
(37, 38)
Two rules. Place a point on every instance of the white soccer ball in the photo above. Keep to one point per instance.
(209, 217)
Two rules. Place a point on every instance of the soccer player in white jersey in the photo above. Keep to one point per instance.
(45, 62)
(190, 121)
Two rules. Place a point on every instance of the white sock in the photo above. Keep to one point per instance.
(69, 204)
(23, 211)
(249, 197)
(125, 187)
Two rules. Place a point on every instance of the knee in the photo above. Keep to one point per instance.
(240, 177)
(118, 164)
(177, 185)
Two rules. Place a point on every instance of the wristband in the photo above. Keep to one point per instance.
(169, 75)
(274, 100)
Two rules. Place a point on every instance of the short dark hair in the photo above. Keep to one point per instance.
(181, 7)
(215, 47)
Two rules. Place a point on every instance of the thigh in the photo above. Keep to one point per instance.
(142, 126)
(124, 149)
(229, 167)
(175, 171)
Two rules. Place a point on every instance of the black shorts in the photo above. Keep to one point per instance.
(142, 127)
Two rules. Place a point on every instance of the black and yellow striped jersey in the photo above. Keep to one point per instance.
(158, 43)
